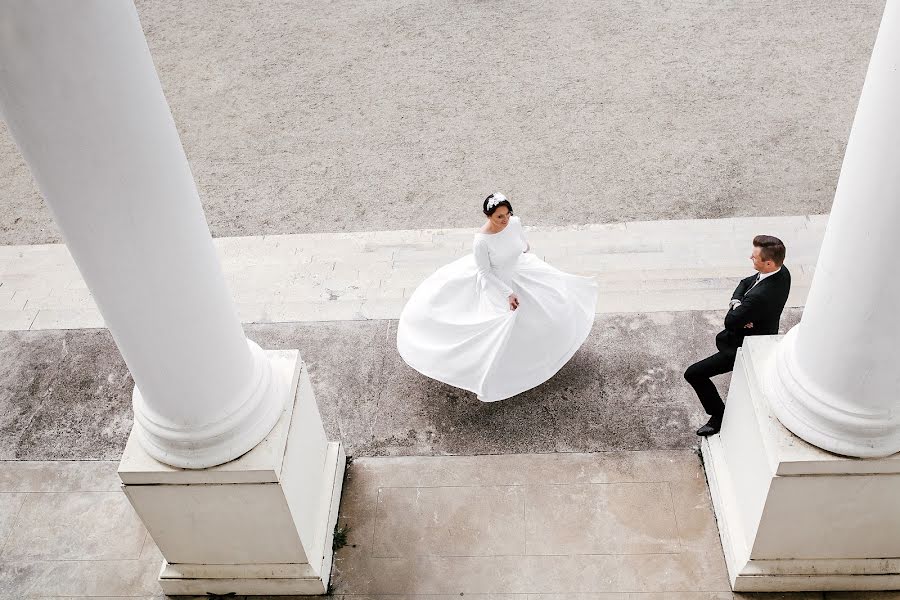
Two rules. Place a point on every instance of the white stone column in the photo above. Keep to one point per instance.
(254, 506)
(797, 509)
(82, 99)
(836, 382)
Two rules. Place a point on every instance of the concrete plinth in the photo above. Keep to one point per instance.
(260, 524)
(793, 517)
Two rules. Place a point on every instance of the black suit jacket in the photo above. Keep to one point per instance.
(761, 306)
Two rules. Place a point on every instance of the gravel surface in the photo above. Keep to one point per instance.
(387, 114)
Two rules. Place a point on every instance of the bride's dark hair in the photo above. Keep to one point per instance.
(493, 209)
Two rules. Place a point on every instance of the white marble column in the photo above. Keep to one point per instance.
(836, 381)
(80, 94)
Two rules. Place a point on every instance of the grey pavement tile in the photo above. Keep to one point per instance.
(784, 596)
(97, 578)
(28, 373)
(450, 521)
(616, 518)
(595, 596)
(541, 574)
(678, 596)
(359, 500)
(570, 518)
(150, 551)
(636, 596)
(694, 513)
(67, 318)
(77, 392)
(378, 115)
(10, 506)
(20, 578)
(527, 469)
(346, 363)
(59, 476)
(158, 597)
(433, 597)
(867, 595)
(17, 318)
(80, 526)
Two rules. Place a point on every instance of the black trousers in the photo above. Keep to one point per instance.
(698, 375)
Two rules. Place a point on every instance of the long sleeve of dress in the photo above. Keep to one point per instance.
(485, 272)
(521, 230)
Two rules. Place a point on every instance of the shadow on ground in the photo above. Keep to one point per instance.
(67, 394)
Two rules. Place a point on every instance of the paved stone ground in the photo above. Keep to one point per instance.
(66, 395)
(345, 116)
(420, 528)
(608, 526)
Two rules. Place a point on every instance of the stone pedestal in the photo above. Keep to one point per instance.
(793, 517)
(260, 524)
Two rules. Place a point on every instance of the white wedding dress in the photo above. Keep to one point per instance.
(457, 326)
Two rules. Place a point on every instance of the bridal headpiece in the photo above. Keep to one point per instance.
(496, 198)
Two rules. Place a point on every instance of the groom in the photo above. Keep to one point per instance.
(755, 309)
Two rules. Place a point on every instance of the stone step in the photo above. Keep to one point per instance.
(640, 267)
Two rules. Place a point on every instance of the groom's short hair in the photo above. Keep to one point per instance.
(770, 248)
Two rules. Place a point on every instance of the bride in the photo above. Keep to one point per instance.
(499, 321)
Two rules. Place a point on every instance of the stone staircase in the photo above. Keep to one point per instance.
(643, 266)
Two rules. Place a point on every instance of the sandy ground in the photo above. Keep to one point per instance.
(386, 114)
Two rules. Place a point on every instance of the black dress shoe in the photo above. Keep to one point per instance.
(712, 427)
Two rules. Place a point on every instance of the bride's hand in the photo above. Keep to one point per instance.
(513, 302)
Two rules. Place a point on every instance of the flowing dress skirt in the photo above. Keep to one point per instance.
(454, 331)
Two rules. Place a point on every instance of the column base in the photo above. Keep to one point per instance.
(826, 421)
(262, 524)
(791, 516)
(216, 443)
(264, 579)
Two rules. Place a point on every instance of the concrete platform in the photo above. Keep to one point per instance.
(605, 526)
(67, 394)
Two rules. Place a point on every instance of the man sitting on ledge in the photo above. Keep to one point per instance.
(755, 309)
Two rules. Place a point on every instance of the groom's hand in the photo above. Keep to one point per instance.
(748, 326)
